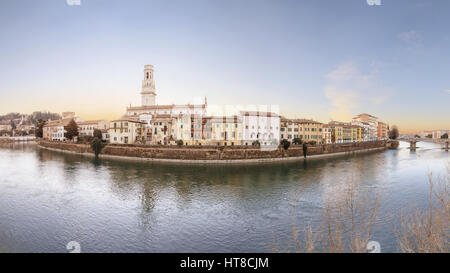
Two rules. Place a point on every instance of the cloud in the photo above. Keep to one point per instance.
(350, 90)
(411, 36)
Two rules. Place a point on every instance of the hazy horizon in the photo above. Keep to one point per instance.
(315, 59)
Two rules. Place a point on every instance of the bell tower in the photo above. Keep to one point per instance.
(148, 92)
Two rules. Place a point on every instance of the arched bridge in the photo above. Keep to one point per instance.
(413, 141)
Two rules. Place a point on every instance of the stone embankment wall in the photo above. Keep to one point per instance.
(212, 153)
(16, 139)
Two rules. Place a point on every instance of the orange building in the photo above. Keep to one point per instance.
(382, 132)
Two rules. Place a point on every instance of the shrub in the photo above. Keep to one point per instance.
(285, 144)
(256, 143)
(180, 142)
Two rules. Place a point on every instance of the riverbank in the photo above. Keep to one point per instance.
(214, 155)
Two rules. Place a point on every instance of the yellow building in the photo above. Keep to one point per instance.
(127, 131)
(337, 132)
(303, 129)
(342, 132)
(311, 130)
(222, 130)
(357, 133)
(160, 131)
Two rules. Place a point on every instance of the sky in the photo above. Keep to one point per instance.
(320, 59)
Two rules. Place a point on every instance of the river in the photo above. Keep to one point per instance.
(48, 199)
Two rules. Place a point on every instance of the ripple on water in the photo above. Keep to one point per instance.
(115, 206)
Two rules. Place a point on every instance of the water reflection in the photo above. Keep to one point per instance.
(50, 198)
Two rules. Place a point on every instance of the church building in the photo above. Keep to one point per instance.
(149, 107)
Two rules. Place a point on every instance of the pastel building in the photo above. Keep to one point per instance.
(54, 130)
(326, 134)
(337, 131)
(86, 128)
(382, 132)
(263, 127)
(370, 121)
(223, 130)
(304, 129)
(127, 131)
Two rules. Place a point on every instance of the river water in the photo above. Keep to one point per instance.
(48, 199)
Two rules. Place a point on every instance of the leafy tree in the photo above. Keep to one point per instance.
(98, 134)
(297, 141)
(71, 130)
(393, 134)
(13, 125)
(97, 146)
(285, 143)
(40, 128)
(444, 135)
(429, 136)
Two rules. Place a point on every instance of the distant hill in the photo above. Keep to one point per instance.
(33, 118)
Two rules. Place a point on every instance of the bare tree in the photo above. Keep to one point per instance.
(428, 231)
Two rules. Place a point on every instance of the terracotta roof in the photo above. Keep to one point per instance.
(129, 120)
(59, 122)
(90, 122)
(298, 120)
(258, 114)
